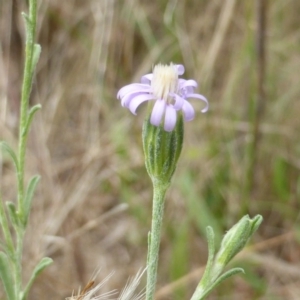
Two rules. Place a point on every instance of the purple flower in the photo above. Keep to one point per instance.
(169, 92)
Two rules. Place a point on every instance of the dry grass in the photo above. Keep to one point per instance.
(92, 207)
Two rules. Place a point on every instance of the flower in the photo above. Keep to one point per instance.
(169, 92)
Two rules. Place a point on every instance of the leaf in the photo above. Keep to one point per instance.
(6, 276)
(29, 196)
(31, 113)
(26, 17)
(211, 245)
(11, 153)
(228, 274)
(224, 276)
(36, 55)
(257, 220)
(44, 262)
(13, 215)
(204, 284)
(7, 244)
(211, 252)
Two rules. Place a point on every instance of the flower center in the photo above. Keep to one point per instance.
(164, 82)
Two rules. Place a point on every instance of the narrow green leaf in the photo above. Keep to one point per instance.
(26, 18)
(44, 262)
(205, 280)
(29, 196)
(228, 274)
(224, 276)
(6, 276)
(7, 241)
(12, 212)
(36, 55)
(211, 251)
(11, 153)
(31, 113)
(28, 23)
(211, 245)
(257, 220)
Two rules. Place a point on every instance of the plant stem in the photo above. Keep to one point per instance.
(159, 191)
(199, 294)
(26, 88)
(18, 262)
(30, 21)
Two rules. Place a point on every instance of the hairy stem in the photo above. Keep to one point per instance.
(30, 21)
(159, 192)
(26, 88)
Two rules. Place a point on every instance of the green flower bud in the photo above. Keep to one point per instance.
(236, 238)
(162, 150)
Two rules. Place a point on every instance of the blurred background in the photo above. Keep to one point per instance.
(92, 209)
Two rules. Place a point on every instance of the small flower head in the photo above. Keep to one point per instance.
(162, 150)
(169, 92)
(236, 238)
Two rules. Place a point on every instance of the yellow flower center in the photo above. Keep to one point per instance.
(164, 81)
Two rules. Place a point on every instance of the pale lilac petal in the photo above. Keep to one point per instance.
(180, 69)
(186, 87)
(136, 101)
(125, 101)
(198, 96)
(181, 81)
(133, 95)
(178, 101)
(170, 118)
(189, 90)
(157, 112)
(188, 111)
(188, 83)
(134, 87)
(146, 79)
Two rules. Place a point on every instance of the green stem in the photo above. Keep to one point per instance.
(18, 264)
(159, 191)
(26, 88)
(199, 294)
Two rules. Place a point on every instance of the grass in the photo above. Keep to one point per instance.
(88, 149)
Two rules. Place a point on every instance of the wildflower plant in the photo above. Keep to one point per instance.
(168, 98)
(14, 216)
(169, 92)
(163, 132)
